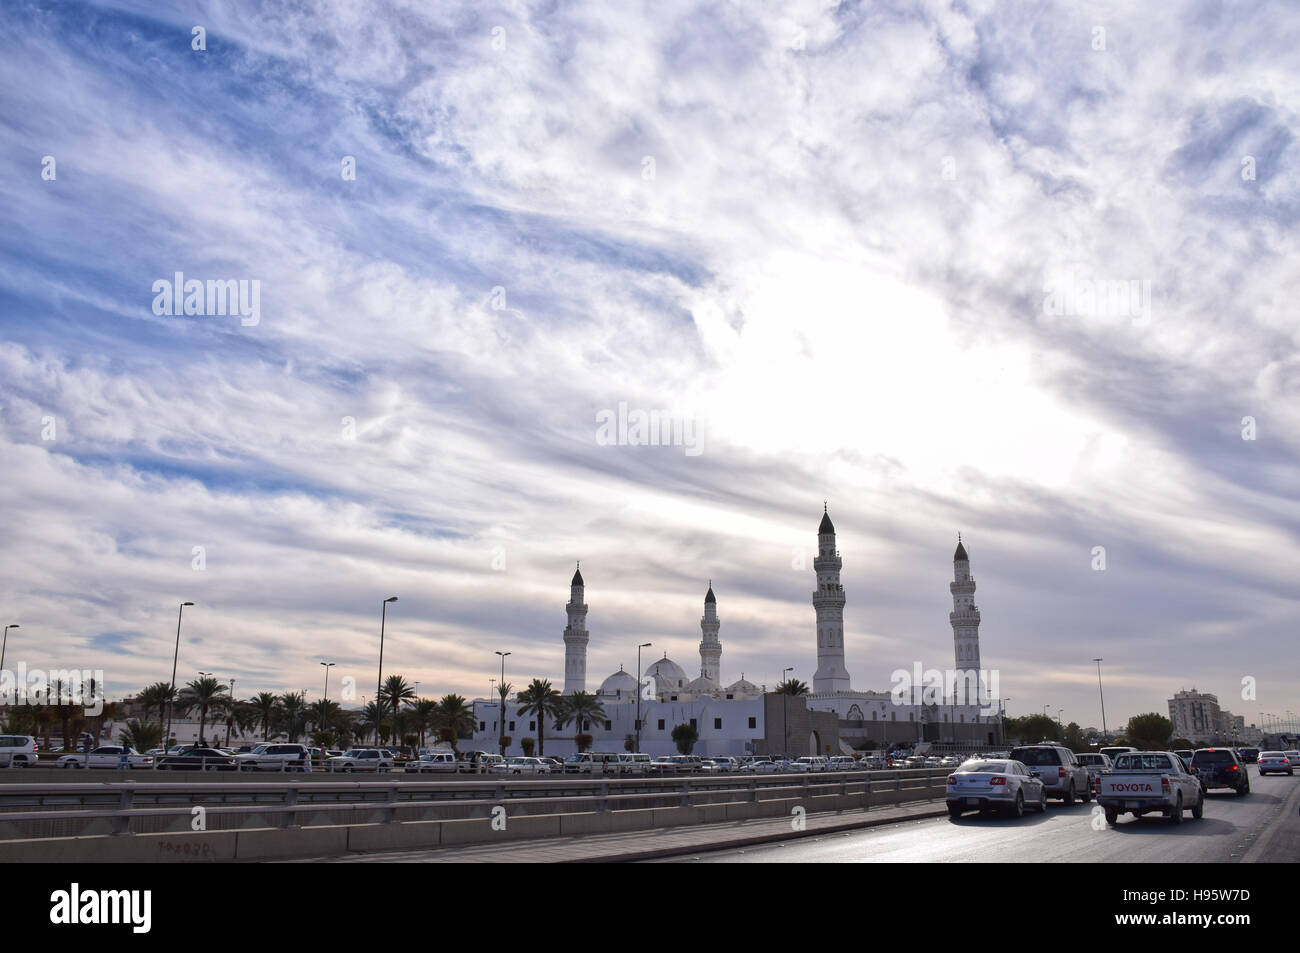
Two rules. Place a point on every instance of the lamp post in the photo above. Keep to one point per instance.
(379, 682)
(1102, 696)
(171, 699)
(643, 645)
(1002, 720)
(4, 645)
(785, 714)
(230, 720)
(501, 734)
(328, 666)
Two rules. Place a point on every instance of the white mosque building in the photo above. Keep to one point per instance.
(743, 718)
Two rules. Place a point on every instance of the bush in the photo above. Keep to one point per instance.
(685, 736)
(528, 744)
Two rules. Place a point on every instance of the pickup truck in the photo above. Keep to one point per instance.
(1147, 782)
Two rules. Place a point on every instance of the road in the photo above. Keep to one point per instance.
(1261, 827)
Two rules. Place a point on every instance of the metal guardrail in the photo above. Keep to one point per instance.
(292, 802)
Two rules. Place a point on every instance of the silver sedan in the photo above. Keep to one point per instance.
(994, 785)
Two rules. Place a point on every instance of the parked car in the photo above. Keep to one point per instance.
(1149, 782)
(433, 762)
(1274, 762)
(274, 757)
(634, 763)
(557, 766)
(592, 762)
(521, 766)
(759, 766)
(1220, 768)
(479, 762)
(995, 785)
(1062, 774)
(809, 764)
(841, 762)
(17, 751)
(360, 759)
(1096, 763)
(107, 756)
(195, 758)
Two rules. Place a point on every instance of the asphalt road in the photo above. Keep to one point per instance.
(1260, 827)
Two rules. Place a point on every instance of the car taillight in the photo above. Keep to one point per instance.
(997, 780)
(952, 779)
(1232, 767)
(1164, 783)
(1060, 772)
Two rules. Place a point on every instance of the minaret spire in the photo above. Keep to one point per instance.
(710, 647)
(965, 619)
(828, 601)
(576, 636)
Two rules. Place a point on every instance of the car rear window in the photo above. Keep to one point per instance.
(1213, 757)
(1036, 756)
(1146, 762)
(991, 767)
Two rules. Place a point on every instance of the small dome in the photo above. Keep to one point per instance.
(619, 685)
(826, 525)
(668, 675)
(703, 686)
(743, 687)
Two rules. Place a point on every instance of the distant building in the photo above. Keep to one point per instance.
(1197, 717)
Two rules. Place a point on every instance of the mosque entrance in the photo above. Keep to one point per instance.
(814, 744)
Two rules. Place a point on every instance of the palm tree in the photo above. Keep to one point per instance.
(293, 710)
(426, 714)
(457, 718)
(240, 716)
(371, 719)
(395, 692)
(792, 687)
(580, 707)
(540, 699)
(503, 690)
(265, 705)
(141, 735)
(155, 697)
(203, 693)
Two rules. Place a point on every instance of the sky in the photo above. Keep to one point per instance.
(1018, 270)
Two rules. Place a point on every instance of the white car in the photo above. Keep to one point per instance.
(808, 764)
(432, 762)
(521, 766)
(360, 759)
(17, 751)
(274, 757)
(994, 785)
(841, 762)
(760, 766)
(107, 756)
(1275, 762)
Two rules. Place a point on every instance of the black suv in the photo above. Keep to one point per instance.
(1221, 768)
(1059, 770)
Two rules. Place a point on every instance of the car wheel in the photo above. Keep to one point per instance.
(1112, 816)
(1199, 810)
(1086, 796)
(954, 811)
(1069, 795)
(1177, 816)
(1018, 809)
(1042, 801)
(1243, 790)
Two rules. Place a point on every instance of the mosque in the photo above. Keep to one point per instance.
(743, 718)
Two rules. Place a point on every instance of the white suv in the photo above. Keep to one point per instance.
(17, 751)
(274, 758)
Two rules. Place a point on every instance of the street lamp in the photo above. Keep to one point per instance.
(1002, 720)
(785, 714)
(4, 644)
(1102, 696)
(379, 682)
(643, 645)
(501, 734)
(171, 699)
(328, 666)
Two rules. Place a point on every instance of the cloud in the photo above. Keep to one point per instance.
(823, 234)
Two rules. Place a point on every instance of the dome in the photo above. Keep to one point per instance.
(826, 525)
(619, 685)
(743, 687)
(668, 675)
(703, 686)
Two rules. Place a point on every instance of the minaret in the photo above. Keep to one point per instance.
(575, 638)
(710, 647)
(965, 619)
(828, 601)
